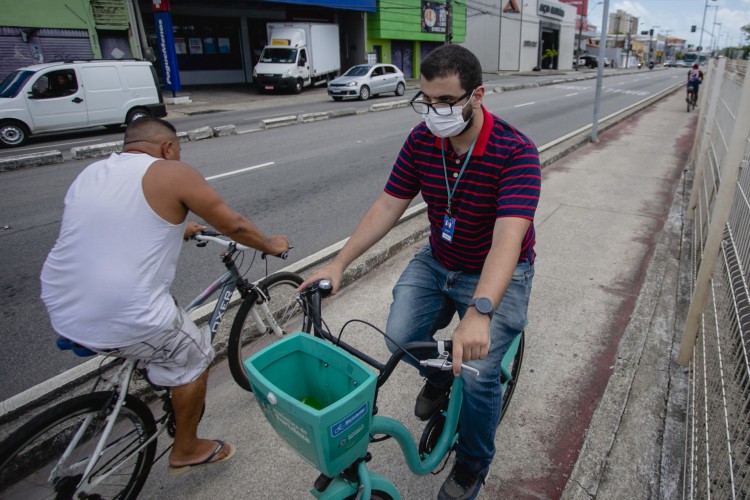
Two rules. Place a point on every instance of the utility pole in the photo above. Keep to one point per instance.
(703, 24)
(448, 21)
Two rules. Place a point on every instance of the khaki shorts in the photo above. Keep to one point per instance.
(174, 357)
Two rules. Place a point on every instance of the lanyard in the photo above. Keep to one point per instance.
(445, 171)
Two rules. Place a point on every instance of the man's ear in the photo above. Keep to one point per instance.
(170, 150)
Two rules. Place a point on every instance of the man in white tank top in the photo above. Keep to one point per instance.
(106, 281)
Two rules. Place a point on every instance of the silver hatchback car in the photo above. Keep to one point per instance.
(366, 80)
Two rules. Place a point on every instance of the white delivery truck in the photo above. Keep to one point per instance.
(68, 95)
(298, 55)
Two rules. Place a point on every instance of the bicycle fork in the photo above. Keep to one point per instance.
(270, 323)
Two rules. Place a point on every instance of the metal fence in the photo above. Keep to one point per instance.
(717, 332)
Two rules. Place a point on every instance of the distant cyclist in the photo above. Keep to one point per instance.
(695, 78)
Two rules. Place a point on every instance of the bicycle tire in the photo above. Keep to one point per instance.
(515, 370)
(29, 454)
(246, 338)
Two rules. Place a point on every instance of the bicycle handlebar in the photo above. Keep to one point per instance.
(213, 236)
(320, 289)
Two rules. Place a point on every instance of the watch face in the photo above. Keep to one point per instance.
(483, 305)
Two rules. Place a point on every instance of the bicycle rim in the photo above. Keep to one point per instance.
(274, 306)
(31, 465)
(515, 370)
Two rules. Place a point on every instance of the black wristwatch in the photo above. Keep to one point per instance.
(483, 305)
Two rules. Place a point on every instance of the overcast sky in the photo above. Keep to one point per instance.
(679, 15)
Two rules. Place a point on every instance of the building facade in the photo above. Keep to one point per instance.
(220, 42)
(37, 31)
(521, 35)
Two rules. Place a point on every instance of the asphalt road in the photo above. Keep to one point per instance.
(312, 182)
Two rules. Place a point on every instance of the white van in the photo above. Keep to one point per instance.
(69, 95)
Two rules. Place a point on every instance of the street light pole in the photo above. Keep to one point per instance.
(703, 25)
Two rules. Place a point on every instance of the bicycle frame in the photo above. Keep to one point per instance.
(368, 481)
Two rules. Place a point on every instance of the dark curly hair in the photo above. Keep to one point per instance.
(450, 59)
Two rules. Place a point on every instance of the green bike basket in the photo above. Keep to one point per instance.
(317, 397)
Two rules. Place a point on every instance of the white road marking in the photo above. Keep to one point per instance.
(234, 172)
(574, 93)
(524, 104)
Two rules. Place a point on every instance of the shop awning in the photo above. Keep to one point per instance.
(362, 5)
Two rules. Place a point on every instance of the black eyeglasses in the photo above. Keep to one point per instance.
(440, 108)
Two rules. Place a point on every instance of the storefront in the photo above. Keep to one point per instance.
(530, 34)
(220, 44)
(404, 33)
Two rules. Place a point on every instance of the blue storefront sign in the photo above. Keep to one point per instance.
(361, 5)
(167, 54)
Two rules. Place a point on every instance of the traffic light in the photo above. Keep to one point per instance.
(693, 28)
(651, 32)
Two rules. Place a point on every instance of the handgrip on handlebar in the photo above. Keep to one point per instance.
(282, 255)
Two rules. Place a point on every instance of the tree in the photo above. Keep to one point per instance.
(746, 30)
(549, 54)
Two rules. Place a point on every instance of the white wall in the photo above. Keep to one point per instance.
(483, 34)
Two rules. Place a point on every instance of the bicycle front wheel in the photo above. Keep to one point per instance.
(47, 457)
(509, 385)
(264, 317)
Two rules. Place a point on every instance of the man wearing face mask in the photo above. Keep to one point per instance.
(481, 179)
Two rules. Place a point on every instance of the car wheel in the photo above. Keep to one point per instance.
(13, 134)
(364, 93)
(400, 89)
(136, 114)
(338, 98)
(298, 86)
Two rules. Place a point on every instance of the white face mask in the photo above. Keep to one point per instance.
(447, 125)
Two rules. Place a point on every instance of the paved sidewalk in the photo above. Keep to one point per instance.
(596, 374)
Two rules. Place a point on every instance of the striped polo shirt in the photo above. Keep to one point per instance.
(502, 179)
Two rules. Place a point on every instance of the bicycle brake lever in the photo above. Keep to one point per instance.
(445, 365)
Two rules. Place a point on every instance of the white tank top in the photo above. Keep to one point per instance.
(106, 281)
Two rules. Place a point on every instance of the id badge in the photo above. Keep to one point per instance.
(449, 224)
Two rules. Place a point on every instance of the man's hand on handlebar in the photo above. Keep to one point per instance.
(330, 272)
(277, 245)
(191, 229)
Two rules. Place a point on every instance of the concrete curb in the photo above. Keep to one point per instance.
(95, 150)
(281, 121)
(30, 160)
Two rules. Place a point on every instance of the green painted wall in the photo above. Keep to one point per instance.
(401, 20)
(68, 14)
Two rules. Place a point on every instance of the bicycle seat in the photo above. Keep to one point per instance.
(68, 345)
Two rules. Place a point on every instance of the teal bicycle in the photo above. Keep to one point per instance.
(320, 397)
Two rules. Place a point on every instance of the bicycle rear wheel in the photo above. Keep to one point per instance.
(262, 316)
(31, 463)
(509, 385)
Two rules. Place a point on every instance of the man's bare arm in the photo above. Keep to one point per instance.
(172, 188)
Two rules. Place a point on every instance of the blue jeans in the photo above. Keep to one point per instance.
(424, 300)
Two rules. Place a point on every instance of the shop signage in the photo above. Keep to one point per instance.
(551, 10)
(165, 41)
(434, 17)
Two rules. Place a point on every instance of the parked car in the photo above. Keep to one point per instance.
(669, 64)
(366, 80)
(60, 96)
(588, 61)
